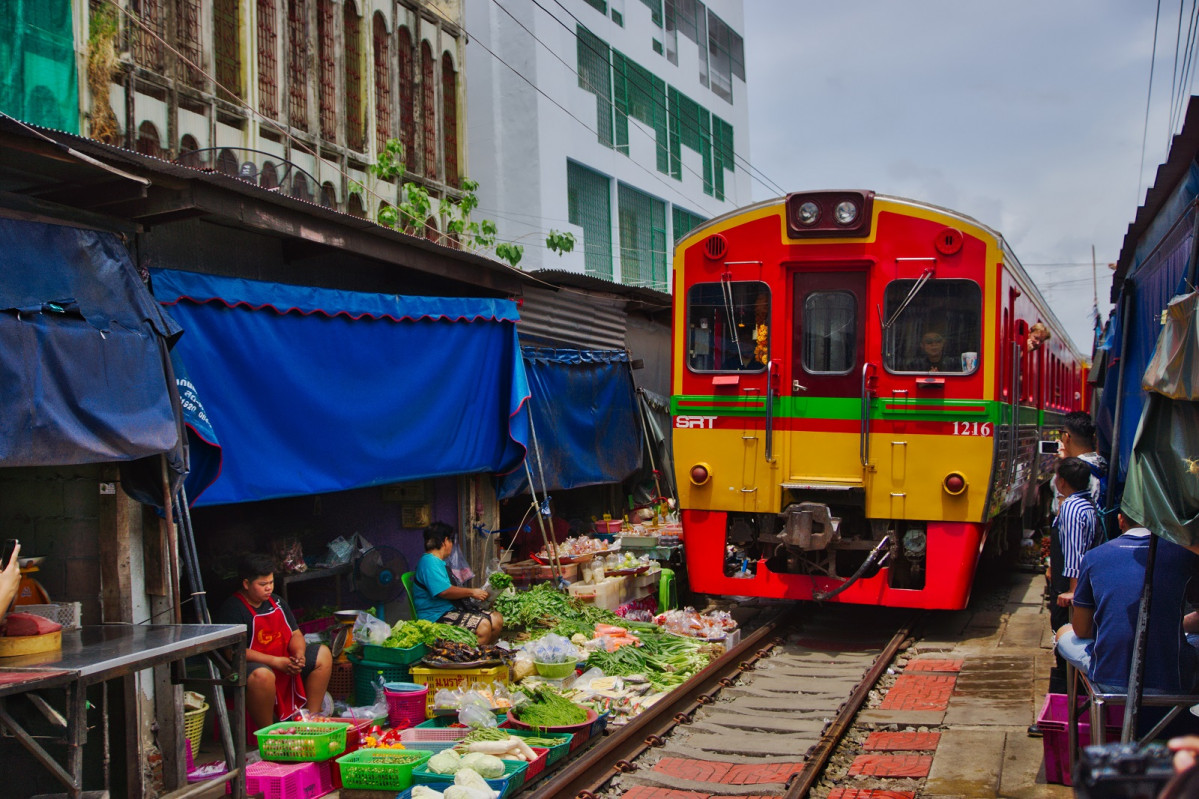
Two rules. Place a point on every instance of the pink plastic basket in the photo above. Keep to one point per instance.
(289, 780)
(1055, 737)
(405, 703)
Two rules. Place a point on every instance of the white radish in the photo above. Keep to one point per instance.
(523, 748)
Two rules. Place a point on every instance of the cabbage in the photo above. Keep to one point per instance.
(425, 792)
(489, 767)
(445, 762)
(473, 786)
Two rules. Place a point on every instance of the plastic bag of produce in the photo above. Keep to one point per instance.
(476, 712)
(369, 630)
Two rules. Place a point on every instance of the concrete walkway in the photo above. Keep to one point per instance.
(976, 679)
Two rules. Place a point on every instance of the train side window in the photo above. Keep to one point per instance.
(728, 327)
(830, 331)
(935, 327)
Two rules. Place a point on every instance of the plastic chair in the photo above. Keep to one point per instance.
(668, 592)
(408, 579)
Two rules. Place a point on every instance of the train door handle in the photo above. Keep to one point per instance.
(796, 387)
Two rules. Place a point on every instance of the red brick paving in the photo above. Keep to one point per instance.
(868, 793)
(919, 692)
(654, 792)
(902, 741)
(891, 765)
(726, 773)
(929, 664)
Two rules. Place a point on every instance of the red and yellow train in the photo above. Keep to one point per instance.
(860, 384)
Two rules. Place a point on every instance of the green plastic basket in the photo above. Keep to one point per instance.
(393, 655)
(514, 778)
(557, 751)
(554, 671)
(380, 769)
(301, 741)
(367, 674)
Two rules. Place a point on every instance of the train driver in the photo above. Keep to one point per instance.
(932, 356)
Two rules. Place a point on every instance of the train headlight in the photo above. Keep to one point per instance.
(846, 212)
(954, 483)
(700, 474)
(808, 213)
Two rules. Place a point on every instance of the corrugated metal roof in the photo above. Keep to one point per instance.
(1183, 150)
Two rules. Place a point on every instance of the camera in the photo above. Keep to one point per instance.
(1122, 771)
(1049, 447)
(10, 546)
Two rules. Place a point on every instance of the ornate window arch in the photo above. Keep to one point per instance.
(428, 110)
(268, 59)
(355, 123)
(407, 96)
(382, 54)
(449, 118)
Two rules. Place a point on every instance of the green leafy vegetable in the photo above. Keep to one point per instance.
(500, 581)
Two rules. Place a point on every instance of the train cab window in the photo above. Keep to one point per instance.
(728, 327)
(830, 332)
(932, 327)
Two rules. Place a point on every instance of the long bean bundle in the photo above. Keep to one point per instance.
(549, 708)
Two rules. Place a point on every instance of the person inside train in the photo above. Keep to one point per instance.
(1099, 640)
(1038, 334)
(933, 356)
(740, 354)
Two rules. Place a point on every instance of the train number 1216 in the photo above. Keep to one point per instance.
(972, 428)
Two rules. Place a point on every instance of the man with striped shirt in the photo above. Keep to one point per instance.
(1073, 534)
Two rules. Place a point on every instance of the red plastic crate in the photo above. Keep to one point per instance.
(537, 765)
(289, 780)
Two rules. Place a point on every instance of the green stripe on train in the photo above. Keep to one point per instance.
(850, 408)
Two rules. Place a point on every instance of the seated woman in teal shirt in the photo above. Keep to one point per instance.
(438, 599)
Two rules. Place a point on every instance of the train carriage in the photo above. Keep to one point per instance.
(860, 383)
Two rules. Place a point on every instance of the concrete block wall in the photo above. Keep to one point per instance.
(54, 512)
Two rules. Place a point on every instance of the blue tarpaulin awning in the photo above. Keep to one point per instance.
(83, 351)
(586, 422)
(313, 390)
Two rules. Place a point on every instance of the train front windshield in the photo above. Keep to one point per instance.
(728, 327)
(933, 327)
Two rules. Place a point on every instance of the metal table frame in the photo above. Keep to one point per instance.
(93, 655)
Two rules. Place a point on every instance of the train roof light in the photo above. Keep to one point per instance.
(846, 212)
(808, 213)
(820, 214)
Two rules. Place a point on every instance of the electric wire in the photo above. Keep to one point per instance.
(1148, 99)
(751, 170)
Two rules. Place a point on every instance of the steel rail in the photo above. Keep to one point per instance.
(585, 777)
(818, 757)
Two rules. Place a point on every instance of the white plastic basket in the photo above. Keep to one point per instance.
(67, 614)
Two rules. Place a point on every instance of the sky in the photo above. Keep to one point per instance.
(1028, 116)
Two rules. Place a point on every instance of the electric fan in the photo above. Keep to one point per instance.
(377, 575)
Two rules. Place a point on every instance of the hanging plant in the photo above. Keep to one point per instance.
(101, 67)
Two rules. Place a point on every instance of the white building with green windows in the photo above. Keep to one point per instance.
(624, 122)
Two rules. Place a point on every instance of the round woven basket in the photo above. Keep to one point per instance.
(193, 726)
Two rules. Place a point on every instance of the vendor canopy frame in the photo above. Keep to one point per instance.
(586, 424)
(314, 390)
(84, 370)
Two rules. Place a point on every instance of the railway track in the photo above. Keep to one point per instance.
(762, 719)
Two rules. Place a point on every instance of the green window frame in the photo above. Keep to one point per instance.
(589, 205)
(595, 76)
(642, 221)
